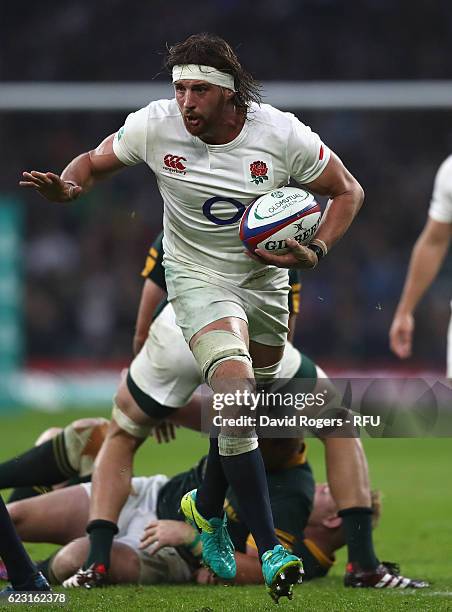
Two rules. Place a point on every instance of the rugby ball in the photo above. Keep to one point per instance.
(287, 212)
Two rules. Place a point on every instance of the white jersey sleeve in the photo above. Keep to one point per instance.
(307, 156)
(441, 202)
(129, 144)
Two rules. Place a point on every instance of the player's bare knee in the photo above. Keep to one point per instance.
(69, 558)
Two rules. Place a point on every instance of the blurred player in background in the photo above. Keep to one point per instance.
(426, 258)
(202, 147)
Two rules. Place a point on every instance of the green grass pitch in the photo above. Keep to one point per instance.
(415, 529)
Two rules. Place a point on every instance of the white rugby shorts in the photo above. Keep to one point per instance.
(199, 298)
(166, 370)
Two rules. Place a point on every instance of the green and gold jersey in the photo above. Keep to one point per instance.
(153, 266)
(154, 270)
(295, 290)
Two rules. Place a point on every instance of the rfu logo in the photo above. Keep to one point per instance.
(174, 163)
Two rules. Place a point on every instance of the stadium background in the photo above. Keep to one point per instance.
(70, 284)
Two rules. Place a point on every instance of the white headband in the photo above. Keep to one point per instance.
(203, 73)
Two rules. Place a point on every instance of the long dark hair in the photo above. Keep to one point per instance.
(210, 50)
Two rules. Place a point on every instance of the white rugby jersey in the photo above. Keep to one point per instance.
(206, 188)
(441, 202)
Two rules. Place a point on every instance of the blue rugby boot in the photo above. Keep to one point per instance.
(217, 548)
(36, 583)
(281, 571)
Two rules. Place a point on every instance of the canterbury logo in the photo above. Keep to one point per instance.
(174, 161)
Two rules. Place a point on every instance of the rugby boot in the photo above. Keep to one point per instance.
(36, 583)
(281, 571)
(384, 576)
(217, 548)
(92, 578)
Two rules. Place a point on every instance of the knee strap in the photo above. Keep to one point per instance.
(232, 445)
(128, 425)
(217, 346)
(267, 374)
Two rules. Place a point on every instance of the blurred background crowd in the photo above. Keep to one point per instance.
(82, 262)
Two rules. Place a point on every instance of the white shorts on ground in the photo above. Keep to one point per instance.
(139, 510)
(261, 300)
(166, 370)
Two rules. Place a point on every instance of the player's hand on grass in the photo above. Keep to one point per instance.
(158, 534)
(298, 257)
(51, 186)
(164, 432)
(401, 335)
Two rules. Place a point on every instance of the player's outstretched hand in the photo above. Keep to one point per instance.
(50, 186)
(401, 335)
(298, 257)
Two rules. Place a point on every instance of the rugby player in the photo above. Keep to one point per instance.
(203, 147)
(426, 258)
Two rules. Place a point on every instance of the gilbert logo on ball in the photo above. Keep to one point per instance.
(287, 212)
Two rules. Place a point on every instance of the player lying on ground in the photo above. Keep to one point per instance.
(427, 257)
(154, 546)
(202, 146)
(71, 453)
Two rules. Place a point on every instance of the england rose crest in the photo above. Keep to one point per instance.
(259, 171)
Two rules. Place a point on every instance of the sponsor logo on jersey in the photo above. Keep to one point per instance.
(259, 172)
(174, 163)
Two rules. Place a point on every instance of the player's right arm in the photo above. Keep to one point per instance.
(79, 176)
(127, 147)
(426, 258)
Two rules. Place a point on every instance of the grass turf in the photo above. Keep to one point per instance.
(414, 476)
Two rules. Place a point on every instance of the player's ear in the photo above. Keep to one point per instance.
(228, 93)
(332, 522)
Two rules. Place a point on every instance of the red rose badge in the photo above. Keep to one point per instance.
(259, 172)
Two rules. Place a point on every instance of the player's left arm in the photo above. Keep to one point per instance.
(346, 198)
